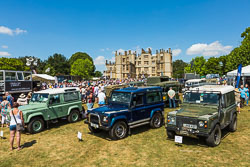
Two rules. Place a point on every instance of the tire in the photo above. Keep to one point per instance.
(233, 125)
(156, 120)
(170, 134)
(73, 116)
(119, 130)
(94, 130)
(214, 138)
(36, 125)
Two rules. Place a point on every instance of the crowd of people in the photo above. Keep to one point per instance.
(242, 96)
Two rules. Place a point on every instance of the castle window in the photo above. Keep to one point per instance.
(146, 69)
(123, 60)
(145, 56)
(145, 62)
(153, 62)
(153, 69)
(139, 62)
(161, 58)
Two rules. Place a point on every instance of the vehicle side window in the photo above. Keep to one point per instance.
(223, 101)
(230, 99)
(139, 99)
(54, 99)
(153, 97)
(70, 96)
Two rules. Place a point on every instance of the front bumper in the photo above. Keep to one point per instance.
(106, 128)
(188, 132)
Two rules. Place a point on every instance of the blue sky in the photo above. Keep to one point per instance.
(190, 27)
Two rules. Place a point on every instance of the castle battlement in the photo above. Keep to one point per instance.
(132, 65)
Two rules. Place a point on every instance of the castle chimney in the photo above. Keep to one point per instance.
(106, 62)
(142, 50)
(110, 62)
(169, 49)
(149, 51)
(129, 52)
(116, 52)
(156, 51)
(125, 53)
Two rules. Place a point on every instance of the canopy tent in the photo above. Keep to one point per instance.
(43, 78)
(245, 76)
(244, 72)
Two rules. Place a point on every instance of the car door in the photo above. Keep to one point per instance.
(138, 110)
(153, 100)
(55, 109)
(69, 99)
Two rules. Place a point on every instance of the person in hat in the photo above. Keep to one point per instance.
(22, 100)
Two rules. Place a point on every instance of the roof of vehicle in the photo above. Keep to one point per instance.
(139, 89)
(196, 80)
(213, 88)
(58, 90)
(165, 83)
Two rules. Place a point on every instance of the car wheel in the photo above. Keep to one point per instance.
(233, 125)
(156, 120)
(36, 125)
(119, 130)
(94, 130)
(73, 116)
(214, 138)
(171, 134)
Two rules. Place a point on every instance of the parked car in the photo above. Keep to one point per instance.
(49, 105)
(128, 108)
(205, 112)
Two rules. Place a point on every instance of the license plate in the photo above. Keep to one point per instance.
(94, 125)
(190, 126)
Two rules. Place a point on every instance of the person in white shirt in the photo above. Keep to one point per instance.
(101, 98)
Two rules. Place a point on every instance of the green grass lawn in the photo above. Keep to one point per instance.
(59, 146)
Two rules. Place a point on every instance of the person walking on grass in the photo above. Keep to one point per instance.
(247, 93)
(16, 117)
(171, 96)
(5, 105)
(237, 99)
(243, 95)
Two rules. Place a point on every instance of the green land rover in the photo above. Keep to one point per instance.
(49, 105)
(206, 110)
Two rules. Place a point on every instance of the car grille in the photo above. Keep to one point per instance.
(94, 119)
(185, 120)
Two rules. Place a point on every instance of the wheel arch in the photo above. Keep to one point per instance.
(39, 115)
(119, 118)
(155, 111)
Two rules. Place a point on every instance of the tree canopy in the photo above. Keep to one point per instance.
(82, 68)
(12, 64)
(178, 68)
(59, 63)
(83, 56)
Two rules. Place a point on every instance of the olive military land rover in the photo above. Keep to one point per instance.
(49, 105)
(205, 112)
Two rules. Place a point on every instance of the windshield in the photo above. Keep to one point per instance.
(211, 98)
(120, 97)
(37, 97)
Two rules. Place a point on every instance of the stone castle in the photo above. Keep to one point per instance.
(131, 65)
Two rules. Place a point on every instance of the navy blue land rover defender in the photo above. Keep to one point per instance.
(126, 109)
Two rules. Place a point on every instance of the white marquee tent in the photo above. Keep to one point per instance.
(43, 78)
(244, 72)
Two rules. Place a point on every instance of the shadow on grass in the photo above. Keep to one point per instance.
(202, 141)
(29, 144)
(105, 134)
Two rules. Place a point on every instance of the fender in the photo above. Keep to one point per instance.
(213, 124)
(117, 118)
(154, 111)
(34, 115)
(73, 107)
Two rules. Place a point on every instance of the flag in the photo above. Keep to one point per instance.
(238, 75)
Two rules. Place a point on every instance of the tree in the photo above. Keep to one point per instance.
(12, 64)
(59, 63)
(178, 68)
(198, 66)
(83, 56)
(98, 74)
(212, 66)
(82, 68)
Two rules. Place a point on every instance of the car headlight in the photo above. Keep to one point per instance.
(171, 120)
(105, 119)
(201, 123)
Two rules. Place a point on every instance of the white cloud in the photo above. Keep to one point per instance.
(176, 52)
(8, 31)
(119, 51)
(5, 54)
(102, 50)
(4, 46)
(212, 49)
(112, 59)
(100, 60)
